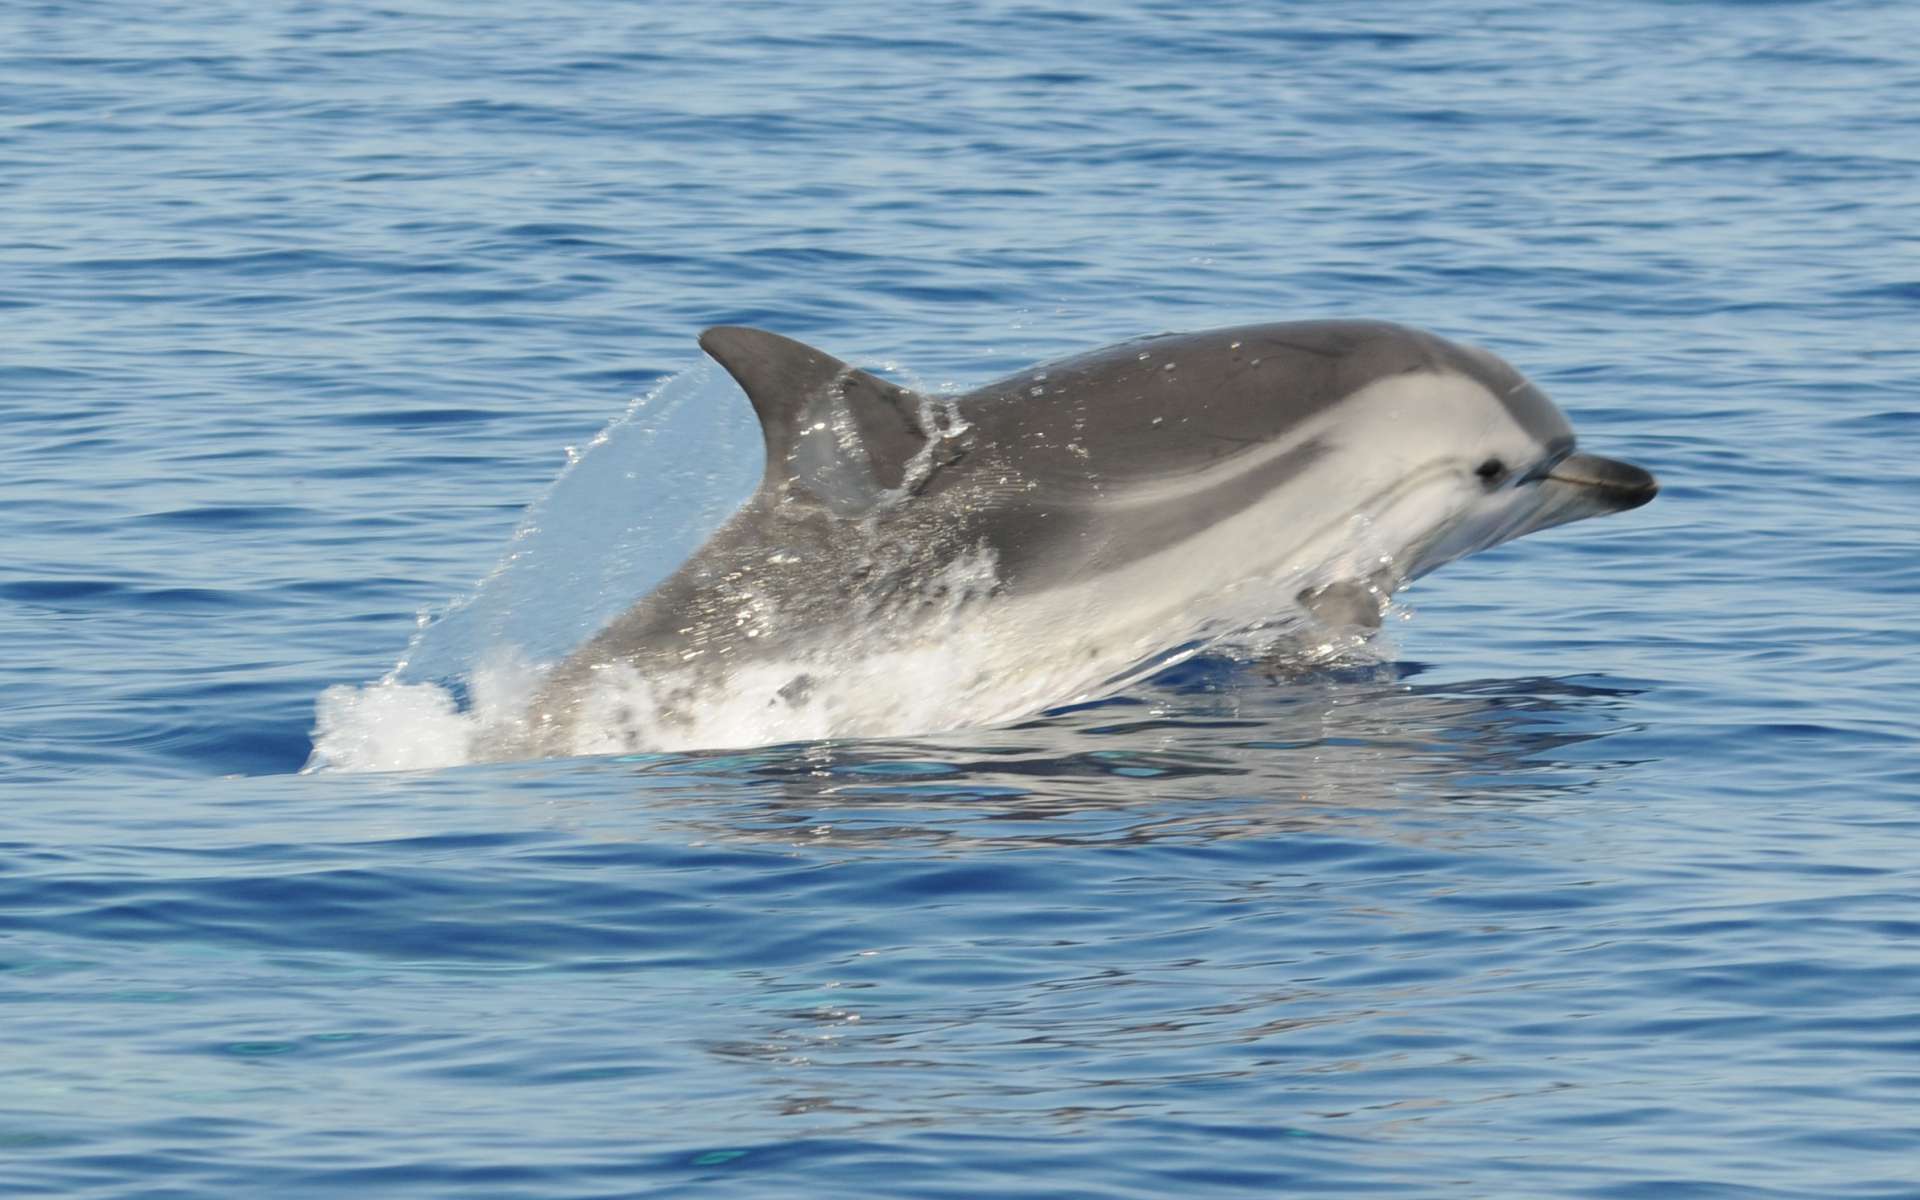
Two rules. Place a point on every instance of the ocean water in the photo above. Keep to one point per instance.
(1597, 875)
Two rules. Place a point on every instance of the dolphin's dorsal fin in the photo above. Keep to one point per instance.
(834, 434)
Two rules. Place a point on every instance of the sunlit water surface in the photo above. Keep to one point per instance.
(1597, 876)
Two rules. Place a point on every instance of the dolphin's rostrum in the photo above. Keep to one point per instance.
(1058, 532)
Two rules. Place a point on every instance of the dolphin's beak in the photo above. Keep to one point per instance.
(1610, 485)
(1581, 486)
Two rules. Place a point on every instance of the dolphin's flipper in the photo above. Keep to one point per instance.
(835, 434)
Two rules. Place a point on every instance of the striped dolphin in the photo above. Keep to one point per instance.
(915, 562)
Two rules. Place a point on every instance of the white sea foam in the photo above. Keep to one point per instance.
(389, 726)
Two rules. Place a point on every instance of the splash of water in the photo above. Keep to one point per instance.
(629, 508)
(646, 493)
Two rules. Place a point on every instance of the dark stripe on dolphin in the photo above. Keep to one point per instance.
(1046, 543)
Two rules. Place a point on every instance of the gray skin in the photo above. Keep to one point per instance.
(871, 491)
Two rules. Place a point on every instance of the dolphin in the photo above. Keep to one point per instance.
(914, 562)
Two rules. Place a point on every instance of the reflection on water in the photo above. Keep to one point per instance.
(1283, 752)
(1231, 885)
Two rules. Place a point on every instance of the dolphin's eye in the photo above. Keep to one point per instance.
(1492, 470)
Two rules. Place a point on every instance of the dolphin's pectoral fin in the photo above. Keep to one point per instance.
(1349, 603)
(834, 434)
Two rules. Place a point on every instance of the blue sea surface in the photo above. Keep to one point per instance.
(1599, 878)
